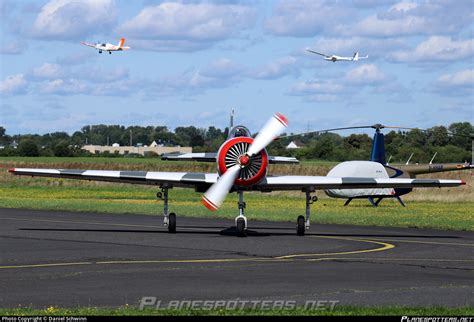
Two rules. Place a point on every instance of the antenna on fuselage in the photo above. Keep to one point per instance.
(231, 119)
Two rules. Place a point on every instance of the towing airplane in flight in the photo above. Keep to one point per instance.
(335, 58)
(108, 47)
(242, 164)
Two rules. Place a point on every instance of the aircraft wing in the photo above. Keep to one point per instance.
(202, 157)
(315, 52)
(175, 179)
(204, 180)
(212, 157)
(272, 183)
(87, 44)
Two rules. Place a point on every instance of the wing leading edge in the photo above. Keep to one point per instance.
(203, 180)
(212, 157)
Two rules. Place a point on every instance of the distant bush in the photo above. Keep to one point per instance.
(62, 150)
(28, 148)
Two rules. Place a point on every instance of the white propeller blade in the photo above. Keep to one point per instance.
(215, 195)
(270, 131)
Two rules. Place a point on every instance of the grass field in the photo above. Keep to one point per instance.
(449, 208)
(338, 311)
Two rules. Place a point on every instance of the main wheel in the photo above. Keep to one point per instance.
(241, 231)
(300, 226)
(172, 223)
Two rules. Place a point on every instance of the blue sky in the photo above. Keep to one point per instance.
(191, 62)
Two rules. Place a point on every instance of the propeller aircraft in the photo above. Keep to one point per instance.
(242, 163)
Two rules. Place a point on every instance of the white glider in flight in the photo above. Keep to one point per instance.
(335, 58)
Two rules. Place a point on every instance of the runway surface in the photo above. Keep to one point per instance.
(71, 259)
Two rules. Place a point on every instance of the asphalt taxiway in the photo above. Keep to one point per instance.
(72, 259)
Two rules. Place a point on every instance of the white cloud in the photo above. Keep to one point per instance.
(305, 18)
(364, 75)
(48, 70)
(186, 27)
(278, 68)
(64, 87)
(459, 84)
(13, 48)
(217, 74)
(436, 48)
(461, 78)
(63, 19)
(315, 87)
(13, 84)
(408, 18)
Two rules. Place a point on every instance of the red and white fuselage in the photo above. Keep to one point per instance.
(108, 47)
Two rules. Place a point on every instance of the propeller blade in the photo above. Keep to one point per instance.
(215, 195)
(270, 131)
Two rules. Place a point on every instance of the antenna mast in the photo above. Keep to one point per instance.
(231, 119)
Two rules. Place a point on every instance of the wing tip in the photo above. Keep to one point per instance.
(208, 204)
(12, 170)
(463, 182)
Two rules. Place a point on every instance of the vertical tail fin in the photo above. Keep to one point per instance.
(356, 56)
(378, 148)
(121, 42)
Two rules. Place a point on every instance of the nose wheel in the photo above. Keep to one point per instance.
(241, 220)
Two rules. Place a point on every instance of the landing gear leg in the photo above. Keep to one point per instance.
(400, 201)
(372, 202)
(241, 220)
(378, 201)
(301, 224)
(169, 220)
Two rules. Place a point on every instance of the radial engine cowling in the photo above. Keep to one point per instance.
(233, 152)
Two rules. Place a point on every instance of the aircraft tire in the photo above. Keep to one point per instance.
(300, 226)
(241, 231)
(172, 223)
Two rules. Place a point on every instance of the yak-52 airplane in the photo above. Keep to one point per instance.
(242, 163)
(335, 58)
(108, 47)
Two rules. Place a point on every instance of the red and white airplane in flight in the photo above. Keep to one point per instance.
(242, 164)
(108, 47)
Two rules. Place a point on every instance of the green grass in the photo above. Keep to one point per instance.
(424, 210)
(342, 311)
(130, 199)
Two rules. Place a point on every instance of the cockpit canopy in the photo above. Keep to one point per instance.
(238, 131)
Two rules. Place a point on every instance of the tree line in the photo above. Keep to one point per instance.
(452, 143)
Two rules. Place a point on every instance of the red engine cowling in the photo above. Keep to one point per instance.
(233, 152)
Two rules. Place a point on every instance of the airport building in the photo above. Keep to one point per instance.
(159, 149)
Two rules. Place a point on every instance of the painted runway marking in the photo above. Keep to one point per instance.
(286, 258)
(386, 246)
(424, 242)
